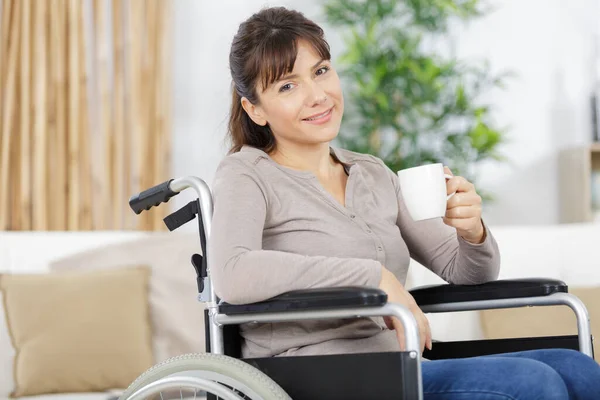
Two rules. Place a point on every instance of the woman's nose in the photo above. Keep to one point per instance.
(317, 95)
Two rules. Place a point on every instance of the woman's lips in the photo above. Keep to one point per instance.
(321, 118)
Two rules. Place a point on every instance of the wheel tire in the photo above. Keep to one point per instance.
(230, 367)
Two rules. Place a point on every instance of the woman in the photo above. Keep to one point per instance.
(292, 212)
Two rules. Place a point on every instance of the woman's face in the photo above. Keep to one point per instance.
(304, 107)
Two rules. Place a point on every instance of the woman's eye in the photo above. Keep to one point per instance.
(323, 69)
(285, 87)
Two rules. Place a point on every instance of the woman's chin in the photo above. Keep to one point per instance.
(324, 135)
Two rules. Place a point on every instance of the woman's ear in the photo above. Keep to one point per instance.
(254, 111)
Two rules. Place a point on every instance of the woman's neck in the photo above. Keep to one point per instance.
(315, 159)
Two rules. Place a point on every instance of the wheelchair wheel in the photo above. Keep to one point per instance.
(191, 375)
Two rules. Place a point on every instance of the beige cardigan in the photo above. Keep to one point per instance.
(276, 229)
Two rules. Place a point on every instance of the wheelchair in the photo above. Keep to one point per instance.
(222, 372)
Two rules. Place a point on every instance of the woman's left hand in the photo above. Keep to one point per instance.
(463, 210)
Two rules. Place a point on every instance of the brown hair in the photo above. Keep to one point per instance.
(265, 48)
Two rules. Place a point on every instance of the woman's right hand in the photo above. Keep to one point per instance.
(398, 294)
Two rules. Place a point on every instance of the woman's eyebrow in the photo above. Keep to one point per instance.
(292, 76)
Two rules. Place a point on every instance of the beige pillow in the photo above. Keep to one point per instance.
(78, 331)
(7, 355)
(177, 316)
(542, 321)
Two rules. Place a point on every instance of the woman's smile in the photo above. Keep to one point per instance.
(319, 119)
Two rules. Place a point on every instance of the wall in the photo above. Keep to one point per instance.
(203, 33)
(550, 49)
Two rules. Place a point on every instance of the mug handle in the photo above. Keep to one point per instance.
(447, 176)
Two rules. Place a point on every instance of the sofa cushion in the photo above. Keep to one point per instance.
(7, 354)
(78, 331)
(177, 316)
(542, 321)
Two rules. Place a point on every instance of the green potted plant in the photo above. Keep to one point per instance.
(406, 104)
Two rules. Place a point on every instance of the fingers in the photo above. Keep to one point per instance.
(429, 343)
(464, 199)
(400, 335)
(389, 322)
(422, 339)
(424, 329)
(428, 339)
(425, 332)
(462, 212)
(397, 326)
(458, 184)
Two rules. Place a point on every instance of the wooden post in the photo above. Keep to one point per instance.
(157, 120)
(60, 175)
(73, 167)
(166, 98)
(134, 54)
(40, 163)
(4, 39)
(162, 104)
(52, 115)
(85, 178)
(23, 212)
(151, 131)
(9, 118)
(104, 128)
(120, 135)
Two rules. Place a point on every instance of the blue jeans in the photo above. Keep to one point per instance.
(528, 375)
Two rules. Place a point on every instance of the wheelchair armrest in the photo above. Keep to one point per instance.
(494, 290)
(312, 299)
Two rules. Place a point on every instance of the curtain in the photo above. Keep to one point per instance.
(85, 115)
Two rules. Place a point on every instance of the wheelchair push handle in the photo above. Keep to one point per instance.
(152, 197)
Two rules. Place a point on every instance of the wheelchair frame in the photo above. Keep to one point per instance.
(430, 299)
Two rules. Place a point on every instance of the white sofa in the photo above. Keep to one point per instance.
(176, 315)
(567, 252)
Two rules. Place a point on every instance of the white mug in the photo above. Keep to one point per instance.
(424, 191)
